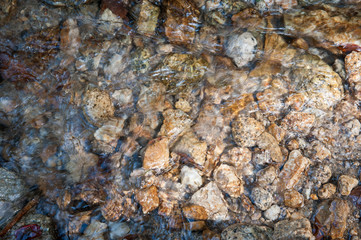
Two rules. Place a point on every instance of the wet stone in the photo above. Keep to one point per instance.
(272, 213)
(211, 198)
(293, 229)
(299, 122)
(182, 19)
(246, 232)
(262, 198)
(292, 170)
(180, 71)
(227, 180)
(327, 191)
(148, 18)
(175, 123)
(266, 176)
(97, 106)
(191, 178)
(156, 155)
(246, 131)
(118, 229)
(293, 198)
(95, 231)
(267, 142)
(190, 145)
(352, 66)
(241, 47)
(148, 199)
(346, 183)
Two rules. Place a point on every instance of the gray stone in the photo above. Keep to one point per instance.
(293, 229)
(246, 232)
(241, 47)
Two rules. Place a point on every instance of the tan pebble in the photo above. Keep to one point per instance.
(327, 191)
(293, 198)
(293, 145)
(346, 184)
(313, 196)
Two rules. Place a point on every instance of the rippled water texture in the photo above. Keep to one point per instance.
(180, 119)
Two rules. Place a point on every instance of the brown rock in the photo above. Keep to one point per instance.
(118, 7)
(293, 229)
(327, 191)
(346, 183)
(113, 210)
(182, 19)
(293, 198)
(148, 199)
(266, 176)
(189, 144)
(156, 155)
(333, 29)
(227, 180)
(277, 132)
(195, 212)
(299, 122)
(296, 101)
(248, 18)
(331, 218)
(148, 18)
(292, 170)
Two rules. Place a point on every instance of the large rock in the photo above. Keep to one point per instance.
(293, 229)
(182, 20)
(329, 29)
(156, 155)
(317, 81)
(211, 198)
(246, 232)
(241, 48)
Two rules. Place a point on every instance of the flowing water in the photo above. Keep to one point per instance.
(175, 119)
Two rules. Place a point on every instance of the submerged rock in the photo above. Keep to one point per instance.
(148, 18)
(227, 180)
(190, 145)
(328, 28)
(175, 123)
(191, 178)
(293, 229)
(156, 155)
(97, 106)
(180, 71)
(148, 199)
(246, 232)
(241, 48)
(246, 131)
(211, 198)
(353, 66)
(182, 20)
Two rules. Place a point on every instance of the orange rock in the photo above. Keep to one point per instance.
(195, 212)
(181, 21)
(148, 199)
(156, 155)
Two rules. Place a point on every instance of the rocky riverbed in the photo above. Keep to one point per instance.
(180, 119)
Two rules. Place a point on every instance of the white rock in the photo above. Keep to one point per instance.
(123, 96)
(273, 212)
(241, 48)
(117, 64)
(211, 198)
(118, 230)
(109, 22)
(190, 177)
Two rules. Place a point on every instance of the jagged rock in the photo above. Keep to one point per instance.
(190, 145)
(262, 198)
(175, 123)
(211, 198)
(148, 199)
(148, 18)
(195, 212)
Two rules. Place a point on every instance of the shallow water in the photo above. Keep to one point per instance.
(121, 114)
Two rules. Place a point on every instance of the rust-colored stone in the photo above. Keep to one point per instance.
(195, 212)
(148, 199)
